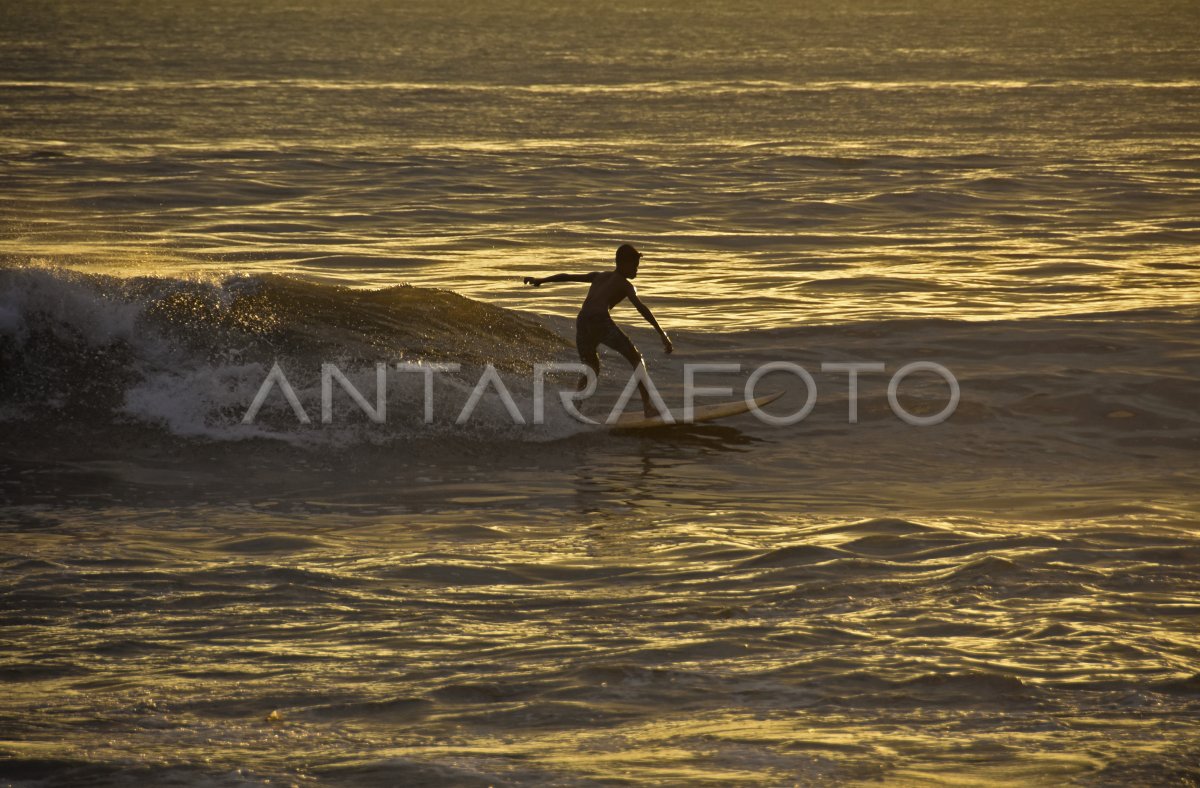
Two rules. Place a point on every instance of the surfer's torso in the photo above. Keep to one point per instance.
(608, 289)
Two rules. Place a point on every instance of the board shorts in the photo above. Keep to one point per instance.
(595, 329)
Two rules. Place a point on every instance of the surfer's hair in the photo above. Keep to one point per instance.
(627, 254)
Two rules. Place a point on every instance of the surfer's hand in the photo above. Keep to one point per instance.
(667, 346)
(529, 280)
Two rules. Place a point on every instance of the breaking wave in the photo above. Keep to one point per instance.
(189, 355)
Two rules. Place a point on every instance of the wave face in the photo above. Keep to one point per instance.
(185, 358)
(190, 355)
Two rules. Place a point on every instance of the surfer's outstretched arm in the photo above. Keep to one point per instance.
(646, 313)
(588, 277)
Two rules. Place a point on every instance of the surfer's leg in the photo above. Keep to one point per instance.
(587, 342)
(594, 363)
(618, 341)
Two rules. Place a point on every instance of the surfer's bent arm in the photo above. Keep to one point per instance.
(588, 277)
(646, 313)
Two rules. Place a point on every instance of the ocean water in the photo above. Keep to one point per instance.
(192, 193)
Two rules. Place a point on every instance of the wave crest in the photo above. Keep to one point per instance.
(190, 354)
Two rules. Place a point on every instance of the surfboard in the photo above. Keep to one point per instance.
(702, 413)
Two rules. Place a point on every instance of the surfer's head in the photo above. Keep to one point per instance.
(627, 261)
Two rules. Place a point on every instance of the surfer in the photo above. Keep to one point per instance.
(594, 326)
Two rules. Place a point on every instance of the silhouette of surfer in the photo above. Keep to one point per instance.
(594, 326)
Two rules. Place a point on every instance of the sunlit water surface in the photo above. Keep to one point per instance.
(1007, 189)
